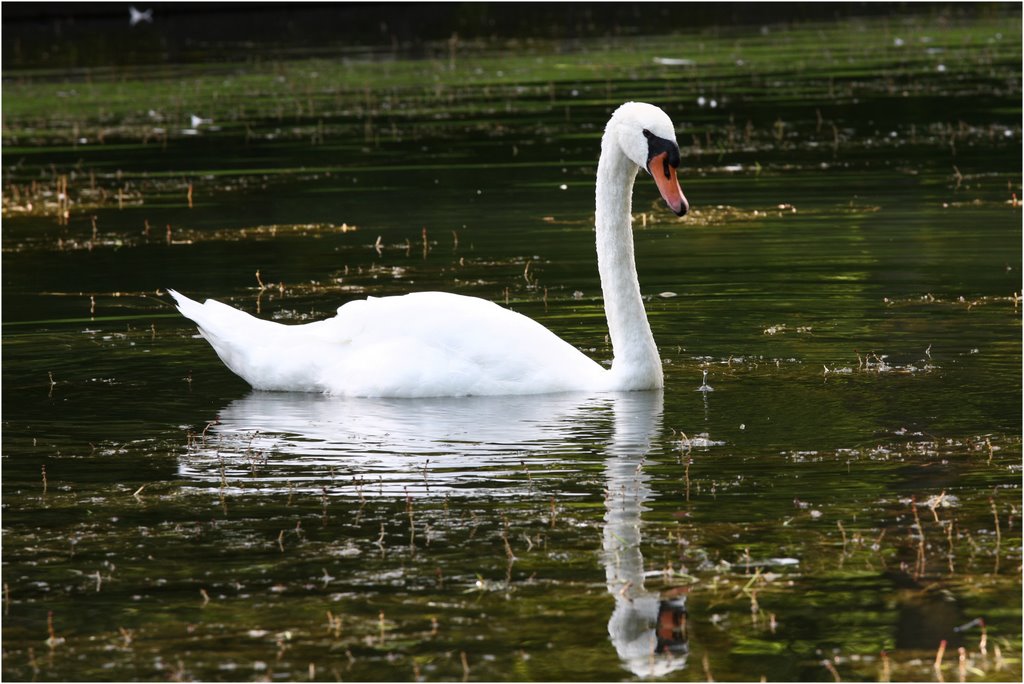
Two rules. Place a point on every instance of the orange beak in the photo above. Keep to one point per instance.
(668, 185)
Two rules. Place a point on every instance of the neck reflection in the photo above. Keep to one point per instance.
(648, 629)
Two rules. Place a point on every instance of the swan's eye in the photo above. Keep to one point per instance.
(656, 147)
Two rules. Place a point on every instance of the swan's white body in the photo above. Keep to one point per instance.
(416, 345)
(441, 344)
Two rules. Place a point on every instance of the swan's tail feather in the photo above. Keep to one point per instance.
(214, 318)
(246, 344)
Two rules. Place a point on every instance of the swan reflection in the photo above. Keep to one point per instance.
(648, 629)
(465, 446)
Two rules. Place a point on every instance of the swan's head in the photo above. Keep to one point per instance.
(646, 135)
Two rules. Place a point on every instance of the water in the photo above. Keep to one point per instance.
(845, 496)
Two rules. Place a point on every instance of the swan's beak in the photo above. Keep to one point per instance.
(668, 184)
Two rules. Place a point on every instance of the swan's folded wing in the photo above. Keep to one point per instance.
(436, 343)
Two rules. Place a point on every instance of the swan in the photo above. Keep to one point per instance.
(441, 344)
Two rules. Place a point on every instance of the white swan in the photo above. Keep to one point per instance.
(440, 344)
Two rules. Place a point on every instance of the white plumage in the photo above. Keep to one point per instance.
(441, 344)
(415, 345)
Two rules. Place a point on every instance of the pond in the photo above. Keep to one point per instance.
(828, 487)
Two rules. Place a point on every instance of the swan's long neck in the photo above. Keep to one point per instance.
(636, 363)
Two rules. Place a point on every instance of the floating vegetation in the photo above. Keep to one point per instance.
(170, 236)
(739, 585)
(780, 329)
(960, 301)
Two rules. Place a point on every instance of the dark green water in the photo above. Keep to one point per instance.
(845, 499)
